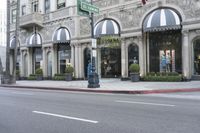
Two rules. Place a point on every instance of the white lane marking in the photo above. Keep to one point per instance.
(22, 93)
(67, 117)
(156, 104)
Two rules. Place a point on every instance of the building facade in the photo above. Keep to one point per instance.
(3, 32)
(161, 36)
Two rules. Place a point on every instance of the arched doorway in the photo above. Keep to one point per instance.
(164, 41)
(61, 38)
(49, 64)
(87, 60)
(107, 32)
(197, 57)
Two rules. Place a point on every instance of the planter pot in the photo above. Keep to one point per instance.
(135, 77)
(68, 76)
(39, 77)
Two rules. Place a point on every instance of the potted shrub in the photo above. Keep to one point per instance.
(68, 72)
(17, 74)
(134, 72)
(39, 73)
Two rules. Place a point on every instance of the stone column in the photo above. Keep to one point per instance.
(54, 60)
(126, 60)
(123, 59)
(185, 54)
(30, 61)
(141, 56)
(21, 68)
(99, 62)
(76, 61)
(44, 62)
(80, 62)
(72, 55)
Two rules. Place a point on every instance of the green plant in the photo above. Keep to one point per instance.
(59, 77)
(32, 77)
(17, 72)
(151, 74)
(110, 41)
(134, 68)
(38, 71)
(163, 78)
(69, 68)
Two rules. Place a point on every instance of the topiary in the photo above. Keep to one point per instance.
(38, 71)
(69, 68)
(134, 68)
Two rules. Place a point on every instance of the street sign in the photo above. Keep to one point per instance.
(80, 11)
(89, 8)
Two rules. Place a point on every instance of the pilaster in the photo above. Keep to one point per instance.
(185, 54)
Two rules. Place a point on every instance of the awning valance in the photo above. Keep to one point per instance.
(162, 20)
(61, 35)
(106, 27)
(35, 40)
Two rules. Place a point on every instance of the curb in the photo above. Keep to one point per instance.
(109, 91)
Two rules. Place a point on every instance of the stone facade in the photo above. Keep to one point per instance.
(129, 14)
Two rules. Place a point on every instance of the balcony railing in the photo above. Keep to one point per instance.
(30, 20)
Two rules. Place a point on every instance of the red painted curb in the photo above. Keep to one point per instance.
(109, 91)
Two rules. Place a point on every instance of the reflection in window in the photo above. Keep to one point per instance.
(37, 57)
(64, 56)
(165, 51)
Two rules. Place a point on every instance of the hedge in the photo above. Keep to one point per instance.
(163, 78)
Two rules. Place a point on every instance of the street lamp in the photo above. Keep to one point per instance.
(93, 78)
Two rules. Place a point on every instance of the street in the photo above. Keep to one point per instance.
(40, 111)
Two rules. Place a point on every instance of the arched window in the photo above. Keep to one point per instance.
(133, 54)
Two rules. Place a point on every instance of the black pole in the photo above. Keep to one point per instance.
(93, 80)
(6, 78)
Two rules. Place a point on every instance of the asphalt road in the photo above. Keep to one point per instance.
(38, 111)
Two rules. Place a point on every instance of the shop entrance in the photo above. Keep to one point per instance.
(110, 62)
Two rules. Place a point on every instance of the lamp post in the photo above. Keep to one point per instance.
(6, 78)
(16, 42)
(93, 79)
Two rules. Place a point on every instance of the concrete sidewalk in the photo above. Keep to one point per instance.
(111, 86)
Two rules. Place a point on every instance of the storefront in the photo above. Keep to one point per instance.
(34, 45)
(61, 42)
(109, 60)
(164, 41)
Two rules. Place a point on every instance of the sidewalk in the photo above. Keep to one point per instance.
(111, 86)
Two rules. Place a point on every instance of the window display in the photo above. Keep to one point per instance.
(167, 60)
(165, 52)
